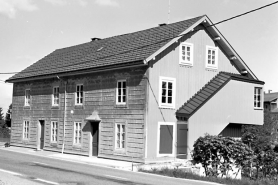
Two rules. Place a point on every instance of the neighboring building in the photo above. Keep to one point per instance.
(271, 101)
(144, 96)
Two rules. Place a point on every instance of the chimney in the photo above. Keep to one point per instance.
(163, 24)
(244, 72)
(95, 39)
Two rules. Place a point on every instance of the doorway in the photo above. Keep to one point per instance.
(41, 134)
(95, 133)
(182, 130)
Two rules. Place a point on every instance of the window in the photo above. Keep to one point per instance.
(258, 97)
(26, 127)
(186, 53)
(120, 136)
(54, 131)
(79, 95)
(55, 101)
(77, 132)
(27, 97)
(166, 139)
(211, 57)
(167, 90)
(121, 92)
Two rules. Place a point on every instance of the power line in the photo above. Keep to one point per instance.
(151, 43)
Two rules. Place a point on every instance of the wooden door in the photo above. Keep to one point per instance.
(42, 135)
(182, 141)
(95, 127)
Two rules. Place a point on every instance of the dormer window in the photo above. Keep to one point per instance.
(186, 53)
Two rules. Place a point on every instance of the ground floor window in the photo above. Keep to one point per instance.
(54, 131)
(26, 128)
(120, 136)
(166, 138)
(77, 133)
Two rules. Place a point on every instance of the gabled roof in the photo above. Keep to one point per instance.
(123, 50)
(208, 91)
(115, 50)
(269, 97)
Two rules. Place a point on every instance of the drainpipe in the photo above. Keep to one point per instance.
(64, 127)
(64, 121)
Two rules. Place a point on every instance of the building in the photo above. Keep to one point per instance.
(270, 101)
(144, 96)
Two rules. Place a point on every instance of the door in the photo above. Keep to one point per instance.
(42, 134)
(182, 141)
(166, 139)
(95, 127)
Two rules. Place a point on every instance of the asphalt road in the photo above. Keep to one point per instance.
(55, 171)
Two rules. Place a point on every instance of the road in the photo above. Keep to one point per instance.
(55, 171)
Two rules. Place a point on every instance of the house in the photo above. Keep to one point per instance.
(143, 96)
(270, 101)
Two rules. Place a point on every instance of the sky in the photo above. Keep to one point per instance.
(31, 29)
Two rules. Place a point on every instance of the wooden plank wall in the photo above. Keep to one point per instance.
(100, 96)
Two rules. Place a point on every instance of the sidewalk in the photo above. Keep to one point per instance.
(74, 158)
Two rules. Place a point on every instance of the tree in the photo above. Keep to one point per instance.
(8, 116)
(2, 122)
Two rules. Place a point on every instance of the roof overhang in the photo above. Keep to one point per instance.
(222, 42)
(94, 117)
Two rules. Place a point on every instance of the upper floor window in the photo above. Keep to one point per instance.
(211, 57)
(121, 92)
(54, 131)
(167, 92)
(55, 99)
(257, 97)
(120, 136)
(27, 97)
(186, 53)
(26, 127)
(77, 133)
(79, 95)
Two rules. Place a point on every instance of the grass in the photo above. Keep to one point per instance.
(177, 173)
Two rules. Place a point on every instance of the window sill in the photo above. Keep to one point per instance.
(211, 68)
(53, 144)
(166, 107)
(186, 64)
(257, 108)
(79, 106)
(27, 107)
(77, 146)
(55, 107)
(121, 105)
(120, 151)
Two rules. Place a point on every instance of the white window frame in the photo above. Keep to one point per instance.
(121, 139)
(167, 80)
(183, 58)
(215, 65)
(26, 130)
(77, 127)
(27, 99)
(54, 131)
(256, 100)
(174, 139)
(121, 102)
(79, 93)
(55, 98)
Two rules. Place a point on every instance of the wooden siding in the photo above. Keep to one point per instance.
(100, 96)
(189, 80)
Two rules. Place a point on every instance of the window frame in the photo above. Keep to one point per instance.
(24, 133)
(79, 135)
(53, 96)
(121, 139)
(173, 142)
(173, 81)
(76, 94)
(121, 96)
(212, 66)
(260, 101)
(26, 98)
(183, 62)
(57, 131)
